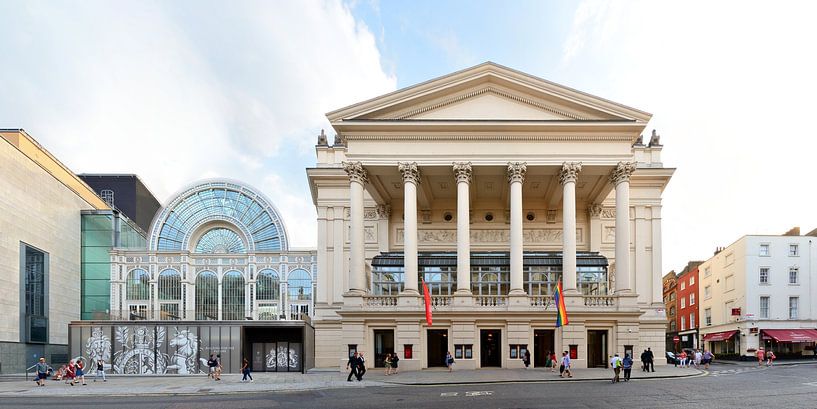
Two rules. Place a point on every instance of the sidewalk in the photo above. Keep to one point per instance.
(753, 362)
(267, 382)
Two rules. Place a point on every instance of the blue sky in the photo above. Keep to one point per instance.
(182, 90)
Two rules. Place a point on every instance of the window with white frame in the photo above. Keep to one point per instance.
(794, 275)
(794, 251)
(764, 250)
(729, 283)
(708, 316)
(692, 299)
(683, 302)
(692, 320)
(683, 323)
(729, 259)
(692, 280)
(764, 307)
(764, 275)
(707, 292)
(707, 272)
(683, 285)
(794, 304)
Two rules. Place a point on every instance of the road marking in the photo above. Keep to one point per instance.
(479, 393)
(448, 394)
(810, 383)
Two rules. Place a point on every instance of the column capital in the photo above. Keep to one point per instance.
(622, 173)
(516, 171)
(462, 171)
(594, 210)
(410, 172)
(383, 211)
(356, 172)
(570, 172)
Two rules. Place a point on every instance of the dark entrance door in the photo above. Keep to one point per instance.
(490, 352)
(437, 347)
(597, 348)
(383, 344)
(542, 345)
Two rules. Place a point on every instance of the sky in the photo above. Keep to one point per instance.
(177, 91)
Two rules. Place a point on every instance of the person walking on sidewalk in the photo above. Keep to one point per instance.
(100, 370)
(708, 357)
(627, 364)
(387, 364)
(449, 361)
(43, 369)
(526, 359)
(770, 358)
(352, 366)
(615, 363)
(650, 360)
(698, 358)
(394, 361)
(566, 365)
(211, 365)
(553, 362)
(245, 370)
(761, 356)
(683, 358)
(80, 372)
(644, 361)
(70, 372)
(361, 369)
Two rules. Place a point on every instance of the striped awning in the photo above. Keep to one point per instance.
(719, 336)
(791, 335)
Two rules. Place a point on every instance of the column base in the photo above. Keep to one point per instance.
(517, 291)
(518, 301)
(408, 299)
(353, 299)
(463, 298)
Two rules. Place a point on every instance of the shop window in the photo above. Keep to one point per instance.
(517, 351)
(463, 351)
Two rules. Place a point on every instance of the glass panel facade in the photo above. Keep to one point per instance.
(299, 286)
(592, 280)
(138, 285)
(35, 311)
(440, 280)
(490, 280)
(170, 285)
(267, 285)
(207, 296)
(220, 240)
(387, 280)
(542, 280)
(232, 296)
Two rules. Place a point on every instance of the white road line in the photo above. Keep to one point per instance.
(448, 394)
(479, 393)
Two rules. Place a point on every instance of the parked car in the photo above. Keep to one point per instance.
(673, 359)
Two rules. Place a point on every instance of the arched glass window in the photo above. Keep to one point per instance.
(299, 286)
(220, 240)
(267, 285)
(489, 280)
(207, 296)
(542, 280)
(170, 285)
(138, 286)
(232, 296)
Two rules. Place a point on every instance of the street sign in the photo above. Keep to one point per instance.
(675, 339)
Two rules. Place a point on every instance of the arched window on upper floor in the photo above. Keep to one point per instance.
(138, 285)
(232, 296)
(207, 296)
(299, 285)
(267, 285)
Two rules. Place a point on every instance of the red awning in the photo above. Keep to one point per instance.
(792, 335)
(719, 336)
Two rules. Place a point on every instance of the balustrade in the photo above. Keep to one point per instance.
(599, 300)
(490, 301)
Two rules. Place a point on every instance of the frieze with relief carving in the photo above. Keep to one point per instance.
(532, 236)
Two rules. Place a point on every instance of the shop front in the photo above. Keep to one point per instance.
(790, 343)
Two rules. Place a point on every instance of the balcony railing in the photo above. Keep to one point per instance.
(600, 300)
(541, 301)
(490, 301)
(192, 315)
(441, 301)
(377, 301)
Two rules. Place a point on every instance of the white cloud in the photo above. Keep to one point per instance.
(178, 91)
(730, 84)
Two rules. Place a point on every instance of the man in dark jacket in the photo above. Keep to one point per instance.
(650, 359)
(352, 365)
(361, 368)
(644, 361)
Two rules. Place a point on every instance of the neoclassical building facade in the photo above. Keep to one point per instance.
(491, 186)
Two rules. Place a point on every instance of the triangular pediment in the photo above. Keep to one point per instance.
(488, 92)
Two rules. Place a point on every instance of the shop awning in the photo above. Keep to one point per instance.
(719, 336)
(791, 335)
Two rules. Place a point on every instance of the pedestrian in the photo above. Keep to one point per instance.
(615, 363)
(80, 372)
(770, 357)
(245, 370)
(627, 363)
(218, 367)
(553, 362)
(708, 357)
(60, 374)
(650, 360)
(698, 358)
(100, 370)
(565, 365)
(761, 356)
(449, 361)
(70, 372)
(683, 357)
(361, 369)
(43, 371)
(211, 365)
(387, 364)
(526, 359)
(644, 361)
(394, 361)
(352, 365)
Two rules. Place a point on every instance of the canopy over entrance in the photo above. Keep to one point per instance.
(719, 336)
(791, 335)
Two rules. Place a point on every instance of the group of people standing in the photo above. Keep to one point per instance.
(696, 357)
(72, 373)
(647, 361)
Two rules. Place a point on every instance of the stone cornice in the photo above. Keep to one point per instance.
(410, 172)
(462, 171)
(569, 172)
(622, 172)
(516, 171)
(507, 137)
(356, 172)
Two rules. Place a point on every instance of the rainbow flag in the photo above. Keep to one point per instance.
(561, 312)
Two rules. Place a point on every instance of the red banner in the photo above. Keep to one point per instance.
(427, 297)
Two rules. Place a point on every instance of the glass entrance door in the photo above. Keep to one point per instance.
(490, 351)
(383, 344)
(542, 345)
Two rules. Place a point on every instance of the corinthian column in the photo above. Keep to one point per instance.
(462, 171)
(620, 178)
(357, 269)
(567, 177)
(516, 176)
(411, 177)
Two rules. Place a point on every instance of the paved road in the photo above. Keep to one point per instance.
(779, 387)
